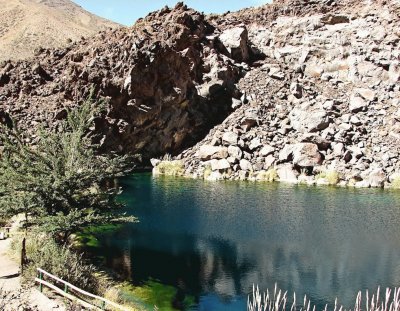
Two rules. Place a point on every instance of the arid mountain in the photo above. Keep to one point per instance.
(26, 25)
(305, 89)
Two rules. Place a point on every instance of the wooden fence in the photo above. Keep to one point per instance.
(68, 291)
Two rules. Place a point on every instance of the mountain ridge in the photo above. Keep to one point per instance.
(27, 25)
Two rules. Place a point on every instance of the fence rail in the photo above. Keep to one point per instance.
(69, 288)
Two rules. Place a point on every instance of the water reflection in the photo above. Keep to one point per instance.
(214, 240)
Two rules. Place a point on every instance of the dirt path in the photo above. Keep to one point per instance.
(10, 282)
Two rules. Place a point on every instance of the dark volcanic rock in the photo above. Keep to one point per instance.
(151, 76)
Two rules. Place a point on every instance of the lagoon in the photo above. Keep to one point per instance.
(212, 241)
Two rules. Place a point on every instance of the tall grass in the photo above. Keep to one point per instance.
(59, 260)
(278, 301)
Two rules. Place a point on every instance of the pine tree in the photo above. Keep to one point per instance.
(61, 183)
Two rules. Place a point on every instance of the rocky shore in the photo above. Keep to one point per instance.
(300, 91)
(321, 108)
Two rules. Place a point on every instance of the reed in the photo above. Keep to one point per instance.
(278, 301)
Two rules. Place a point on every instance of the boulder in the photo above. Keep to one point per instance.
(208, 152)
(155, 162)
(276, 73)
(249, 120)
(357, 103)
(222, 164)
(309, 119)
(322, 143)
(255, 143)
(267, 150)
(333, 19)
(301, 154)
(230, 138)
(338, 149)
(269, 161)
(377, 178)
(245, 165)
(367, 94)
(214, 176)
(296, 90)
(235, 42)
(287, 174)
(306, 155)
(235, 152)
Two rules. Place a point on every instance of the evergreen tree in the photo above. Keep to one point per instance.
(60, 183)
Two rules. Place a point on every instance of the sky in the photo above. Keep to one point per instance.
(126, 12)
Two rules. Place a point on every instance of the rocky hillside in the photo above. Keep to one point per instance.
(26, 25)
(304, 91)
(164, 83)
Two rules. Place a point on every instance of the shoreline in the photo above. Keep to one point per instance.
(283, 174)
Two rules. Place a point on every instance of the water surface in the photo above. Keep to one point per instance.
(215, 240)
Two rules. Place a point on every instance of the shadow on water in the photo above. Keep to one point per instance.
(213, 241)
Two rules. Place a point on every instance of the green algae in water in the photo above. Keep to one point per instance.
(153, 293)
(88, 237)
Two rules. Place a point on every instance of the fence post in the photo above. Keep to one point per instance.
(40, 284)
(66, 289)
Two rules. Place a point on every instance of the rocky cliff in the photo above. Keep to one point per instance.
(303, 91)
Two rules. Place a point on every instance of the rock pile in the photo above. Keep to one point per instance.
(164, 81)
(326, 98)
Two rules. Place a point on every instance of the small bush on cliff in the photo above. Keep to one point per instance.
(170, 168)
(61, 184)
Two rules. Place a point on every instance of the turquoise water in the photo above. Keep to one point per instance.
(215, 240)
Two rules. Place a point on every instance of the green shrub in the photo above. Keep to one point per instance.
(43, 252)
(270, 175)
(331, 176)
(170, 168)
(396, 182)
(207, 172)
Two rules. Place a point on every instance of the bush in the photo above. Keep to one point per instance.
(331, 176)
(60, 261)
(207, 172)
(170, 168)
(270, 175)
(396, 182)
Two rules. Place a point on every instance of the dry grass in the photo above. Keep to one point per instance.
(207, 172)
(270, 175)
(170, 168)
(278, 301)
(396, 182)
(331, 176)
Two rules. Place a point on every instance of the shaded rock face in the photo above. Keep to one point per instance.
(164, 83)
